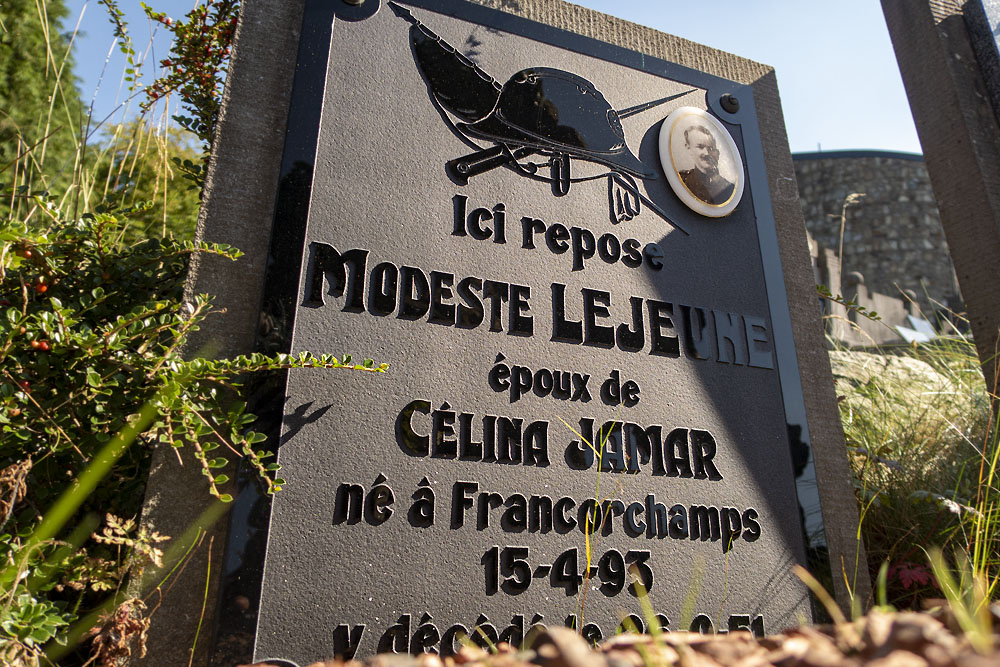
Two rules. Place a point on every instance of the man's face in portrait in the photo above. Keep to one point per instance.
(703, 150)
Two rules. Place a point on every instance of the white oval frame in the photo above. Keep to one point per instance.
(673, 174)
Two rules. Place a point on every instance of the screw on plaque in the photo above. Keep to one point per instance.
(729, 103)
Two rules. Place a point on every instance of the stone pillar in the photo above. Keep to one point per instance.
(960, 137)
(237, 209)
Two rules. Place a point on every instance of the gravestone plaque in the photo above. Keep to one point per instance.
(566, 251)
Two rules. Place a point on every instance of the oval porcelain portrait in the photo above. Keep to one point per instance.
(701, 161)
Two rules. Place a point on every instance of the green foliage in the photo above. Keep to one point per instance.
(40, 107)
(968, 597)
(918, 425)
(32, 622)
(196, 70)
(850, 304)
(120, 29)
(91, 330)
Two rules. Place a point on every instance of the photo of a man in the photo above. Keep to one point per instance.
(701, 161)
(704, 180)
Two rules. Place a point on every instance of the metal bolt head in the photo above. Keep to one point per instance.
(729, 103)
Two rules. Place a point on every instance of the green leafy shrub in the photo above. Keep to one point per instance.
(32, 622)
(195, 70)
(91, 331)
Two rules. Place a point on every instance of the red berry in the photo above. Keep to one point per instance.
(41, 288)
(35, 344)
(44, 346)
(25, 386)
(16, 412)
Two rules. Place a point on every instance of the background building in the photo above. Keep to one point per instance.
(892, 235)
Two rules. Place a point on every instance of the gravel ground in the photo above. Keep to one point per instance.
(903, 639)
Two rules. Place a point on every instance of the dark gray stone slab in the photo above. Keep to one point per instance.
(512, 307)
(372, 178)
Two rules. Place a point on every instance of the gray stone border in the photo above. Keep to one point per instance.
(238, 207)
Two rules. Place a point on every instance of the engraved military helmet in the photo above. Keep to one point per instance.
(553, 111)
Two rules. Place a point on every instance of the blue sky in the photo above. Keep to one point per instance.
(837, 75)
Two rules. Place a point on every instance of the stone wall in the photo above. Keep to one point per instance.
(892, 236)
